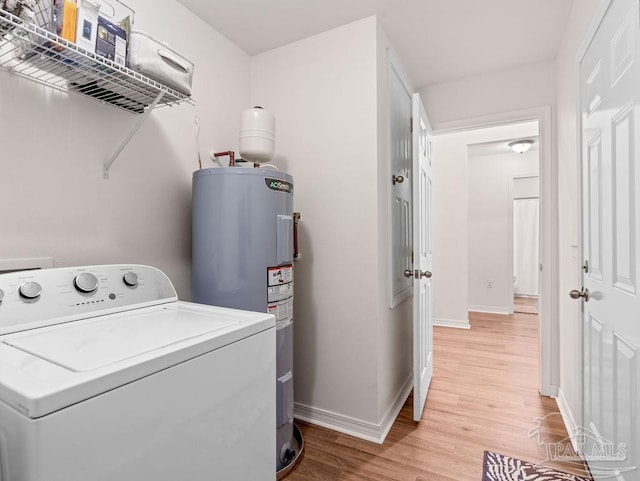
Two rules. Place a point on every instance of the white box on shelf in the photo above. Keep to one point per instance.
(158, 61)
(87, 27)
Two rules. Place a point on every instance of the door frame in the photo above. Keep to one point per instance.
(549, 351)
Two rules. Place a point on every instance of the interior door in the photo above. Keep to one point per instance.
(609, 99)
(401, 165)
(423, 258)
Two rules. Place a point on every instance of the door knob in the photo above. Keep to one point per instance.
(418, 274)
(397, 179)
(576, 294)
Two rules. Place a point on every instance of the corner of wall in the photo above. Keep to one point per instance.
(369, 431)
(394, 328)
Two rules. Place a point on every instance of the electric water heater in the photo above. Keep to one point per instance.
(243, 250)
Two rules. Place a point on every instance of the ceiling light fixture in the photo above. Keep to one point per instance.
(521, 146)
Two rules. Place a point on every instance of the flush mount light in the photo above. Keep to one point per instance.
(521, 146)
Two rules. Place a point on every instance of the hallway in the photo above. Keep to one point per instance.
(483, 396)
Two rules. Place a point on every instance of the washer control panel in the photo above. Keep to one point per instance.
(36, 298)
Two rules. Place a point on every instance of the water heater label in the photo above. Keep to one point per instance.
(279, 185)
(280, 294)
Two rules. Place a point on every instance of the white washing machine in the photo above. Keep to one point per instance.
(105, 376)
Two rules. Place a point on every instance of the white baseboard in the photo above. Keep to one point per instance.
(489, 310)
(567, 418)
(458, 324)
(396, 406)
(358, 428)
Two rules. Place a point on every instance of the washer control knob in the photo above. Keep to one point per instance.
(30, 290)
(130, 279)
(86, 282)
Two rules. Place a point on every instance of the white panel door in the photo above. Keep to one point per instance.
(423, 259)
(610, 101)
(400, 125)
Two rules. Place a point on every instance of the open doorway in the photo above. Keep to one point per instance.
(501, 241)
(456, 243)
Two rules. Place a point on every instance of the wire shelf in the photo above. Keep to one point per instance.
(34, 52)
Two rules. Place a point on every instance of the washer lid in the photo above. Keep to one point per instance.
(47, 369)
(85, 346)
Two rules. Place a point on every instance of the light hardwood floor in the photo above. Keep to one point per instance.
(483, 396)
(525, 305)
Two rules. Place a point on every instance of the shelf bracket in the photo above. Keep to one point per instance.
(136, 127)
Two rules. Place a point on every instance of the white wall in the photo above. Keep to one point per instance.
(490, 227)
(521, 88)
(568, 207)
(352, 352)
(55, 202)
(322, 91)
(451, 217)
(526, 187)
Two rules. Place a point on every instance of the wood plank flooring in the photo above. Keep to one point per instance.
(483, 396)
(525, 305)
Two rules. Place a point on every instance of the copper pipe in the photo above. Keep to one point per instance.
(230, 153)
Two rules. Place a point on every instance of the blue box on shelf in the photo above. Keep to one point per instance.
(111, 41)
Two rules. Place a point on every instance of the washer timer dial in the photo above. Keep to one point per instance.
(130, 279)
(86, 282)
(30, 290)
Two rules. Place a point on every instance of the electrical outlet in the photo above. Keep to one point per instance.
(489, 283)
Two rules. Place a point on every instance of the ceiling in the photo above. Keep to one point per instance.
(436, 40)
